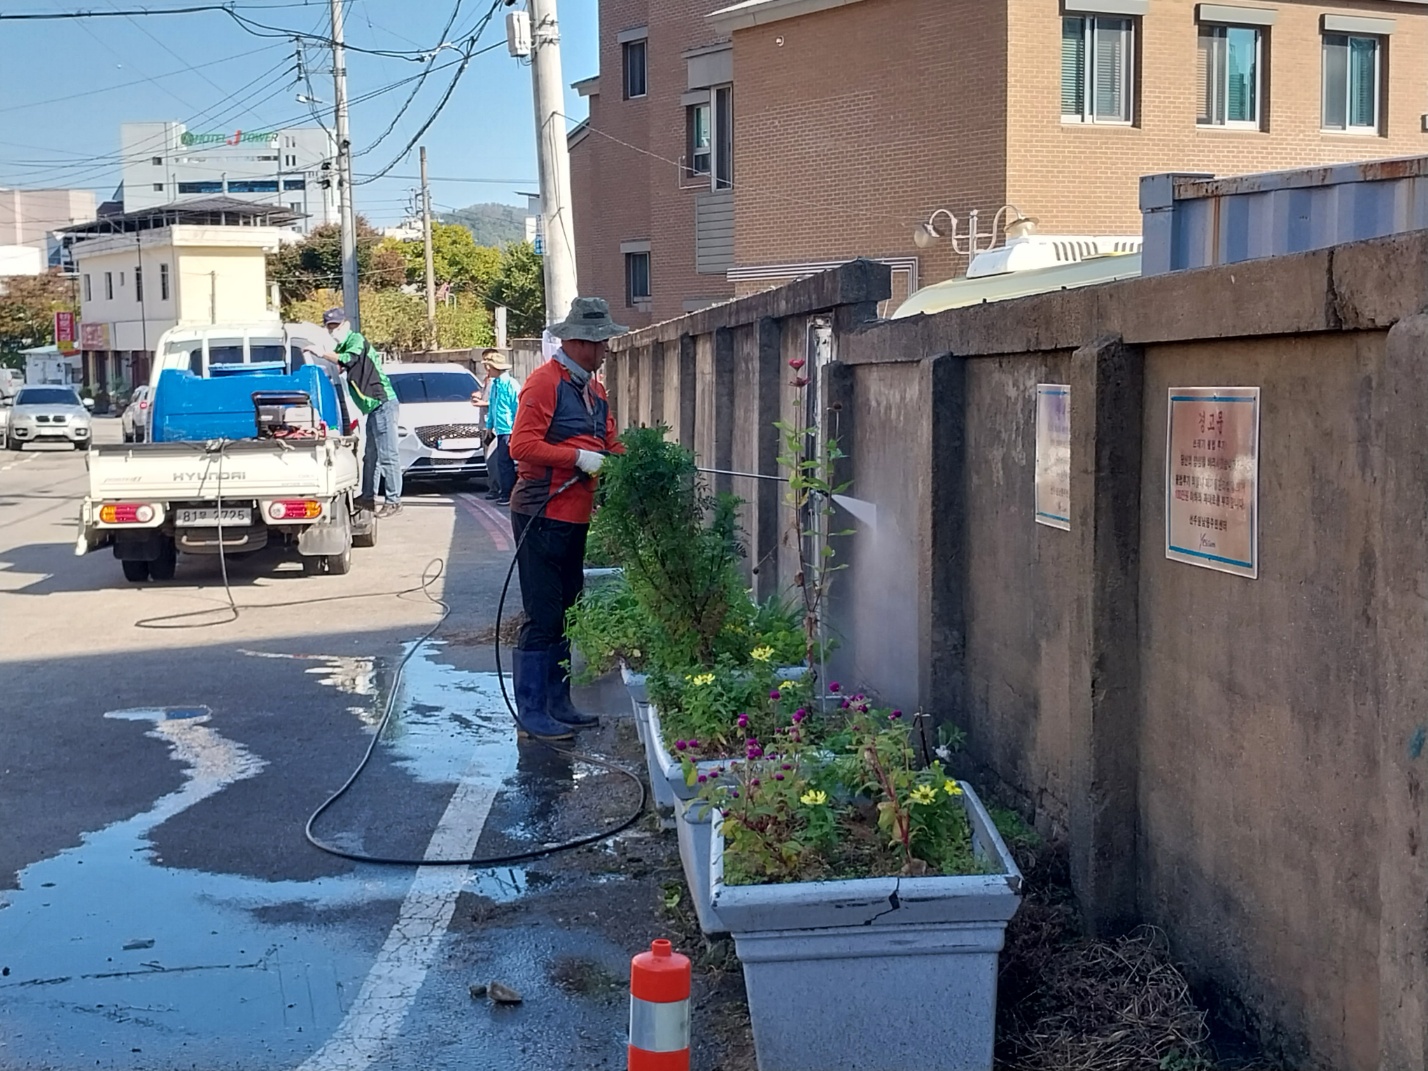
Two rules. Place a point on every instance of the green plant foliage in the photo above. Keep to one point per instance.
(608, 626)
(677, 543)
(856, 804)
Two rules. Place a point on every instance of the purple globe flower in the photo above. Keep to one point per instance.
(775, 694)
(695, 743)
(786, 766)
(703, 778)
(799, 714)
(755, 782)
(778, 777)
(835, 687)
(680, 745)
(895, 715)
(743, 721)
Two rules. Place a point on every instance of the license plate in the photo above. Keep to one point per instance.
(209, 518)
(458, 444)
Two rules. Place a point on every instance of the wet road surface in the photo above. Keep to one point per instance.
(159, 905)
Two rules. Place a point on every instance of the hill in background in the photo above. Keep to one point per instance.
(490, 223)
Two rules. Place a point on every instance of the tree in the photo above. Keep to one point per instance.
(491, 224)
(28, 304)
(456, 258)
(315, 263)
(520, 286)
(395, 322)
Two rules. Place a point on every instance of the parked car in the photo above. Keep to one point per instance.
(439, 425)
(48, 414)
(135, 419)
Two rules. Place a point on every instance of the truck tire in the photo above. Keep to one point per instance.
(162, 568)
(340, 564)
(135, 572)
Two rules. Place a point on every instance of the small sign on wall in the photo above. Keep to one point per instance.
(1212, 478)
(1053, 455)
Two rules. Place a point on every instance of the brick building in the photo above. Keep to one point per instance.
(846, 123)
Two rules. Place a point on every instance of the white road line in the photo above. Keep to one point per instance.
(376, 1016)
(19, 461)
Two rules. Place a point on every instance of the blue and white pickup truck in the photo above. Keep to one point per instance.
(242, 454)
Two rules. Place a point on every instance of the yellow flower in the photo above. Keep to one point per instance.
(700, 680)
(952, 788)
(787, 684)
(813, 798)
(924, 794)
(761, 654)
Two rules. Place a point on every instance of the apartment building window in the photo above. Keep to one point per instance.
(637, 273)
(158, 187)
(723, 99)
(88, 290)
(1229, 59)
(157, 161)
(1097, 77)
(636, 74)
(139, 284)
(1352, 80)
(109, 285)
(700, 123)
(163, 282)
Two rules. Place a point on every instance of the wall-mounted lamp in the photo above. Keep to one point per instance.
(926, 235)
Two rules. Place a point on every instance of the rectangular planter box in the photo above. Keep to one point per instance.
(877, 974)
(635, 683)
(695, 827)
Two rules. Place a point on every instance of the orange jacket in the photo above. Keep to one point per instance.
(553, 423)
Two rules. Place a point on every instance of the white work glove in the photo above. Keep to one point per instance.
(588, 461)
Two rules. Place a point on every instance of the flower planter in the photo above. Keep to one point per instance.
(874, 974)
(696, 826)
(635, 682)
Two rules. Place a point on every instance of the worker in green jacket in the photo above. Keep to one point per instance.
(374, 397)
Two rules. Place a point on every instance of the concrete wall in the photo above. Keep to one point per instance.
(1236, 760)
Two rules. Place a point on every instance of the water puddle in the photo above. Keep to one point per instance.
(108, 958)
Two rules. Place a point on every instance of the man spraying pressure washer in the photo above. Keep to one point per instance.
(563, 430)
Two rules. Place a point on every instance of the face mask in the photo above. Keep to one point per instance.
(339, 333)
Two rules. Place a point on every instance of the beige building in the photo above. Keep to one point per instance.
(853, 121)
(28, 220)
(145, 272)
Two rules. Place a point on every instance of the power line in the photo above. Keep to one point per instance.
(455, 12)
(38, 16)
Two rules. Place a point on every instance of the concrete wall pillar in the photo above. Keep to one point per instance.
(679, 389)
(943, 552)
(714, 404)
(1401, 638)
(1107, 388)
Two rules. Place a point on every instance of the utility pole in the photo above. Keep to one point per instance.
(553, 158)
(430, 268)
(344, 172)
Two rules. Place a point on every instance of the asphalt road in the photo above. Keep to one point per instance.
(160, 907)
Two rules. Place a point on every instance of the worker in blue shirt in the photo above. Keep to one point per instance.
(501, 402)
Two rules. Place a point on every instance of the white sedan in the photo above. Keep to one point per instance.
(439, 424)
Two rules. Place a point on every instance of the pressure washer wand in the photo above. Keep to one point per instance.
(746, 475)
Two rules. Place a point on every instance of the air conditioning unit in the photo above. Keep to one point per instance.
(1047, 251)
(518, 34)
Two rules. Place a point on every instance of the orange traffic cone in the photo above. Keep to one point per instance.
(659, 1010)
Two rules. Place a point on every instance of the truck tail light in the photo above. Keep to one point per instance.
(143, 405)
(126, 513)
(299, 509)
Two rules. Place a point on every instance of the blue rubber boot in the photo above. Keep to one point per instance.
(531, 670)
(557, 700)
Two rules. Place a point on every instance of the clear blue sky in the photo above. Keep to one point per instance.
(193, 68)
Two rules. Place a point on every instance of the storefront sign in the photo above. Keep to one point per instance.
(65, 332)
(94, 336)
(238, 137)
(1212, 478)
(1053, 455)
